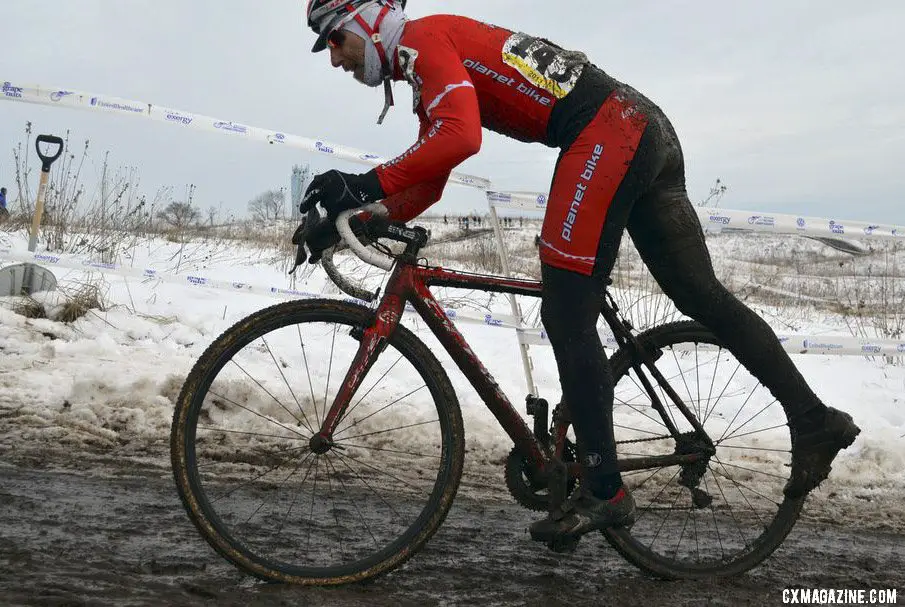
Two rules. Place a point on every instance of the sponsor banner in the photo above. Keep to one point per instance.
(716, 220)
(526, 201)
(793, 344)
(775, 223)
(57, 96)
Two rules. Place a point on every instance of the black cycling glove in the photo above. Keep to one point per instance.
(337, 192)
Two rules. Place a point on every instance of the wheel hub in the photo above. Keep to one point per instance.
(320, 444)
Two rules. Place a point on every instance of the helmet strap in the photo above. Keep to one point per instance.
(386, 62)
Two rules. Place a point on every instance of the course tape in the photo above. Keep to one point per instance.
(191, 280)
(797, 344)
(59, 97)
(713, 220)
(716, 220)
(794, 344)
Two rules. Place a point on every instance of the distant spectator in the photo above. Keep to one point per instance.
(4, 213)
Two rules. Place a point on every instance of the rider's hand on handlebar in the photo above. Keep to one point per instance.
(336, 192)
(321, 238)
(322, 234)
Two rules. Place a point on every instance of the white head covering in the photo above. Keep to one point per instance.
(391, 29)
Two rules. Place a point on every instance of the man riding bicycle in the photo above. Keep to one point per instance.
(620, 167)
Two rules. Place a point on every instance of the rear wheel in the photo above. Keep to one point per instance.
(718, 517)
(285, 509)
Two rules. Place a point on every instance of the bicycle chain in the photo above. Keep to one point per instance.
(643, 440)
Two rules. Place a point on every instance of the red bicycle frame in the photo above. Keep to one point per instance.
(410, 283)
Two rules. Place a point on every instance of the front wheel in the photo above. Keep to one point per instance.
(727, 513)
(285, 509)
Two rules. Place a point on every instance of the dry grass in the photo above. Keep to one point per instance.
(88, 296)
(28, 307)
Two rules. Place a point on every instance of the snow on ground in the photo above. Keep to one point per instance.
(109, 380)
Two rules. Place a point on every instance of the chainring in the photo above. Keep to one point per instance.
(525, 482)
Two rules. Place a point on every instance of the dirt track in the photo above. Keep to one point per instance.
(102, 532)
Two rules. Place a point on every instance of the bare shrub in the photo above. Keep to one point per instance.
(87, 296)
(28, 307)
(268, 206)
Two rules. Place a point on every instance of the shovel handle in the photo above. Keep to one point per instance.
(47, 159)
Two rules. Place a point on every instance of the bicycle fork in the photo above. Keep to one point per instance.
(372, 341)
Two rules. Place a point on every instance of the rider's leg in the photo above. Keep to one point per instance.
(668, 235)
(570, 309)
(598, 178)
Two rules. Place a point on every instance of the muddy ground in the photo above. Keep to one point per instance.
(97, 530)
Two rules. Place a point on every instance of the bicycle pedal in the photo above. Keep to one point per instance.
(565, 544)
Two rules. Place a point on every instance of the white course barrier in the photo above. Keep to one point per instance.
(72, 262)
(798, 344)
(58, 97)
(715, 220)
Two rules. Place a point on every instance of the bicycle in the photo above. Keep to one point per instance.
(348, 481)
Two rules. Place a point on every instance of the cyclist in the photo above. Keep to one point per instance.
(620, 167)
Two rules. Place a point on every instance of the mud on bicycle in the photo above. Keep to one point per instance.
(321, 441)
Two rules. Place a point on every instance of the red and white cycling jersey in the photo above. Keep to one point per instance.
(467, 75)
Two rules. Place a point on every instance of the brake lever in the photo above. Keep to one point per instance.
(309, 222)
(298, 239)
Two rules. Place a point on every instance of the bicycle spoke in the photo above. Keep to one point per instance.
(264, 417)
(755, 471)
(286, 381)
(308, 373)
(363, 396)
(766, 449)
(225, 431)
(737, 413)
(729, 506)
(252, 480)
(666, 518)
(343, 458)
(659, 493)
(268, 393)
(722, 438)
(297, 495)
(685, 382)
(220, 462)
(311, 509)
(329, 370)
(335, 509)
(355, 505)
(358, 421)
(709, 410)
(716, 527)
(434, 421)
(396, 451)
(739, 486)
(712, 379)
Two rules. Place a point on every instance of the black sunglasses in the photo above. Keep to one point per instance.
(336, 38)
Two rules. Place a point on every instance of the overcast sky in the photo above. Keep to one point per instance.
(797, 105)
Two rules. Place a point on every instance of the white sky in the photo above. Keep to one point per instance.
(798, 105)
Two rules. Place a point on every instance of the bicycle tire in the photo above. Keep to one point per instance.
(208, 521)
(633, 548)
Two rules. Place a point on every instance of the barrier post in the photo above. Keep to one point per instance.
(513, 303)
